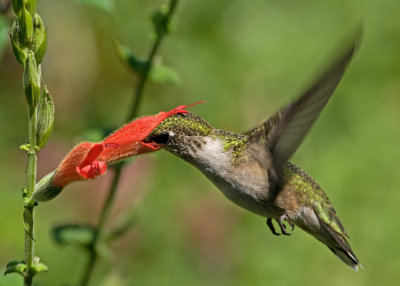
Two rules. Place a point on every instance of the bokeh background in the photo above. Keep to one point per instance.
(246, 58)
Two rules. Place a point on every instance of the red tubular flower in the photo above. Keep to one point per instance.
(88, 160)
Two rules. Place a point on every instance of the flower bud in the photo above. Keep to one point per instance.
(26, 24)
(20, 52)
(40, 39)
(161, 21)
(31, 80)
(45, 118)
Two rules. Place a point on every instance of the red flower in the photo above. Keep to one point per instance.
(88, 160)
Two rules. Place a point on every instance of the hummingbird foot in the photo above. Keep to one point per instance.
(282, 226)
(271, 226)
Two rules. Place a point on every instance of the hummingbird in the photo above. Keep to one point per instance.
(252, 169)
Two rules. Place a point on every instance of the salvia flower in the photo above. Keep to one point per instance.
(89, 160)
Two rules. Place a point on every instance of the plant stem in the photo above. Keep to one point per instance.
(29, 251)
(29, 204)
(138, 95)
(105, 212)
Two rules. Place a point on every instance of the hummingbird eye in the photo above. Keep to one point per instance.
(161, 138)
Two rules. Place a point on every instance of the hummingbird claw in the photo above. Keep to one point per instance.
(282, 226)
(271, 226)
(291, 224)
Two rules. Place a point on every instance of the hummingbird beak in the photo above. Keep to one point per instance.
(151, 145)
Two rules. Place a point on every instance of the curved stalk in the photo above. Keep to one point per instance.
(137, 98)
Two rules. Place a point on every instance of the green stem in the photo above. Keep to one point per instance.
(105, 212)
(138, 95)
(29, 250)
(29, 204)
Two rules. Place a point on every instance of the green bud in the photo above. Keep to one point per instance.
(31, 80)
(31, 6)
(44, 190)
(40, 39)
(20, 52)
(26, 23)
(45, 118)
(161, 21)
(17, 6)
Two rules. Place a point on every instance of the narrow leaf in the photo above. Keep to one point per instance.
(82, 235)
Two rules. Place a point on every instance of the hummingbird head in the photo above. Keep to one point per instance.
(181, 134)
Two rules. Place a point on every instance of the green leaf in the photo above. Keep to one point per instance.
(161, 21)
(45, 118)
(15, 267)
(106, 6)
(163, 74)
(82, 235)
(127, 57)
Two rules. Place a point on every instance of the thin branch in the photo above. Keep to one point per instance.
(138, 95)
(105, 212)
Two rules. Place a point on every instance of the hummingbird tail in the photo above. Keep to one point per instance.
(341, 248)
(347, 257)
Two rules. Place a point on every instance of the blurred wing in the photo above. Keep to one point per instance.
(285, 130)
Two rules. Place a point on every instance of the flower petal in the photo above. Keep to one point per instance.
(92, 170)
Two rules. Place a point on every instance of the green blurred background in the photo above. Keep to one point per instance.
(246, 58)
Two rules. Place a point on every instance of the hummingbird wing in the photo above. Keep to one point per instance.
(286, 129)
